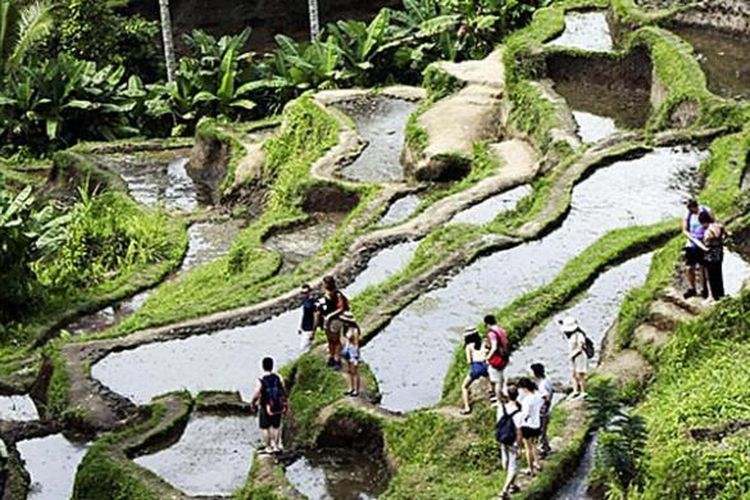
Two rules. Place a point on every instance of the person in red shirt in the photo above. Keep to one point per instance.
(498, 355)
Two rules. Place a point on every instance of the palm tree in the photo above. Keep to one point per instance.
(166, 33)
(314, 18)
(20, 29)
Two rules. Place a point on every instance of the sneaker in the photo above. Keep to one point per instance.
(354, 394)
(348, 393)
(704, 293)
(279, 447)
(689, 293)
(266, 451)
(337, 366)
(330, 362)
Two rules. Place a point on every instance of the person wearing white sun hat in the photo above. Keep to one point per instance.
(577, 354)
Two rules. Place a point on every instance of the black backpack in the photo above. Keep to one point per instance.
(588, 347)
(505, 429)
(273, 394)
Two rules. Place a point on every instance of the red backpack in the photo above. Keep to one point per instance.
(499, 358)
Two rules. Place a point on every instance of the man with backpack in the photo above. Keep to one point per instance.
(498, 355)
(694, 250)
(508, 435)
(270, 400)
(333, 304)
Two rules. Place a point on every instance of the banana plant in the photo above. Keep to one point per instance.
(304, 65)
(20, 28)
(360, 44)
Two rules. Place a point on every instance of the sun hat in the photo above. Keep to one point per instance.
(569, 325)
(347, 317)
(470, 330)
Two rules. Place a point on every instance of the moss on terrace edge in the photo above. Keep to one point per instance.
(248, 274)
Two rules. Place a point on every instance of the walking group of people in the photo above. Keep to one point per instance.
(523, 408)
(704, 251)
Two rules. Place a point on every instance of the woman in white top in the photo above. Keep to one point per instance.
(351, 352)
(545, 388)
(531, 426)
(577, 353)
(509, 452)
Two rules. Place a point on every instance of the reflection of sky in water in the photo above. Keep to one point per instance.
(487, 210)
(586, 31)
(18, 408)
(593, 128)
(52, 462)
(212, 457)
(382, 265)
(595, 313)
(400, 210)
(411, 355)
(226, 360)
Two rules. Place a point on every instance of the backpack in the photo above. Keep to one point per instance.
(499, 358)
(588, 347)
(273, 395)
(505, 429)
(343, 302)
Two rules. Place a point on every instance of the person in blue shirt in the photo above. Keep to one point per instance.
(693, 231)
(310, 319)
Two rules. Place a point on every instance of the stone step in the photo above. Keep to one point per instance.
(666, 315)
(694, 305)
(649, 335)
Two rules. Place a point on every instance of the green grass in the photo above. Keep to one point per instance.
(702, 382)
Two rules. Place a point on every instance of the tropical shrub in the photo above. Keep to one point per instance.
(53, 103)
(107, 235)
(20, 29)
(26, 234)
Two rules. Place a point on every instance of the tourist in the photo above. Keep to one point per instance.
(713, 240)
(270, 401)
(531, 423)
(498, 355)
(476, 357)
(693, 231)
(509, 437)
(577, 354)
(350, 352)
(309, 319)
(545, 388)
(334, 303)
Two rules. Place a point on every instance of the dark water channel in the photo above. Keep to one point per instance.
(411, 355)
(724, 58)
(400, 210)
(577, 486)
(158, 179)
(52, 462)
(213, 456)
(585, 31)
(628, 108)
(338, 474)
(381, 121)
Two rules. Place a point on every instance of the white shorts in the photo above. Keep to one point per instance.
(305, 341)
(496, 376)
(581, 363)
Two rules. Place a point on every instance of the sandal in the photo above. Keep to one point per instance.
(465, 412)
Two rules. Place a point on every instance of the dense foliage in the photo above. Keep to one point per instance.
(75, 86)
(26, 234)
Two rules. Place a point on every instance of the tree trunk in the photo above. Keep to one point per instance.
(314, 18)
(166, 33)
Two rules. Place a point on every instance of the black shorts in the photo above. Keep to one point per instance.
(530, 432)
(266, 421)
(693, 256)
